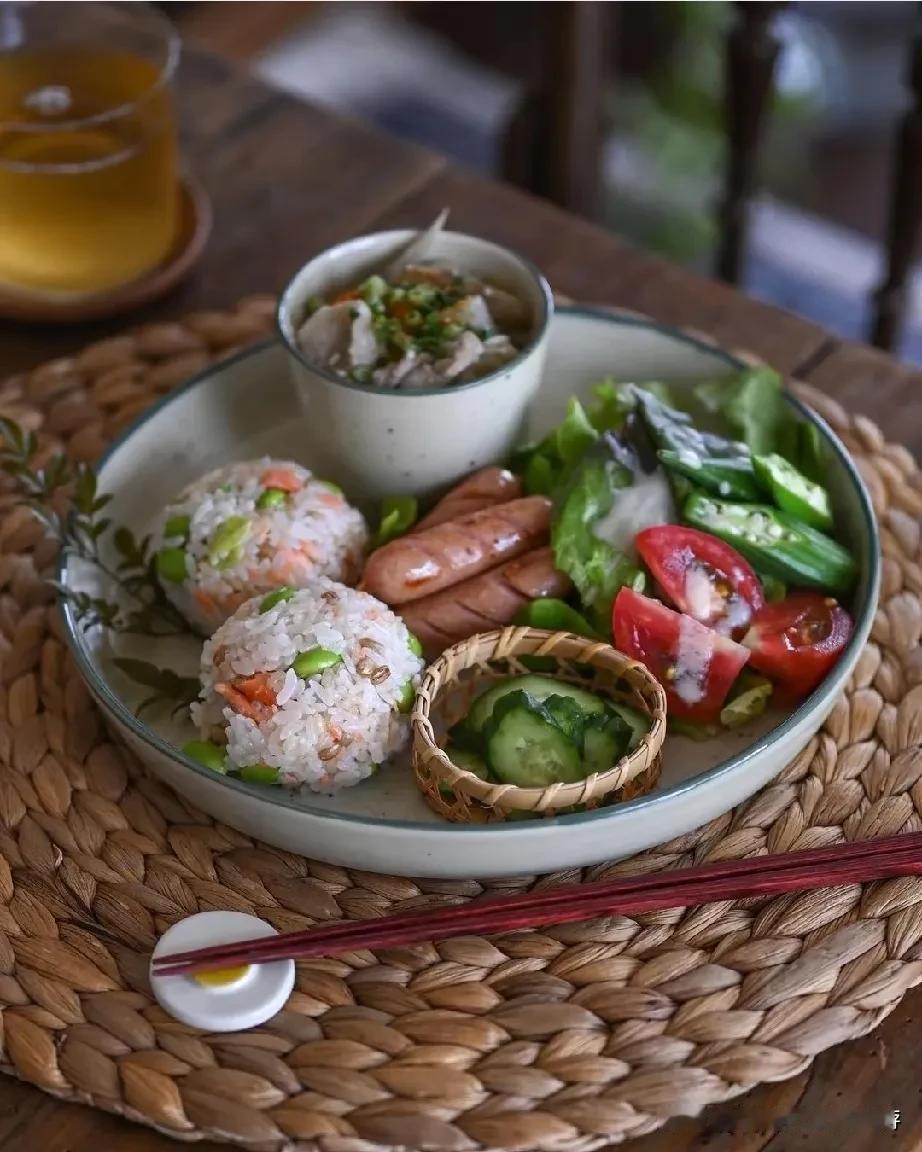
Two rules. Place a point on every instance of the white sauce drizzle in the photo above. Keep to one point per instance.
(737, 616)
(646, 503)
(699, 593)
(693, 660)
(707, 605)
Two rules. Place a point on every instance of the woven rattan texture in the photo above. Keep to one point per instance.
(565, 1039)
(448, 688)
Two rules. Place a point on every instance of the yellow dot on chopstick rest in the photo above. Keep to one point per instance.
(228, 999)
(221, 977)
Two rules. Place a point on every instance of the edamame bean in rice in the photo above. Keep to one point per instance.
(251, 527)
(313, 687)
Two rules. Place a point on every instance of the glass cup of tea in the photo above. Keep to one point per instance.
(89, 185)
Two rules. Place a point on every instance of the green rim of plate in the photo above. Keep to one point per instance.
(275, 796)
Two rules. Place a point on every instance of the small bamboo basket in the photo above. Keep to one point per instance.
(450, 684)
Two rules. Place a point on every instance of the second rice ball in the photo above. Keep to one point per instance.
(311, 689)
(250, 527)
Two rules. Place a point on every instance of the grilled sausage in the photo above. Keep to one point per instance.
(416, 566)
(490, 600)
(481, 489)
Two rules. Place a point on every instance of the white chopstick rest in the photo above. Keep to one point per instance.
(229, 1004)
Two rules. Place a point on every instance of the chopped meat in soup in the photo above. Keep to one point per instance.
(428, 326)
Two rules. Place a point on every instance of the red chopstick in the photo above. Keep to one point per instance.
(856, 862)
(541, 901)
(386, 936)
(812, 858)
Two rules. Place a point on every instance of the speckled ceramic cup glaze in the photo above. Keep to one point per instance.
(377, 442)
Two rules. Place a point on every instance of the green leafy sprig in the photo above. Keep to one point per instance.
(64, 497)
(168, 686)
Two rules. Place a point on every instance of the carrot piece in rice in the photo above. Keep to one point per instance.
(251, 709)
(282, 478)
(257, 688)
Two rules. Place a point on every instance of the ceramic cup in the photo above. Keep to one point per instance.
(378, 442)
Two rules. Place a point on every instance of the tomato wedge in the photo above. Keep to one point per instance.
(797, 640)
(695, 664)
(704, 577)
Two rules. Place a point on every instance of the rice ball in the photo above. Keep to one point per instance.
(251, 527)
(309, 688)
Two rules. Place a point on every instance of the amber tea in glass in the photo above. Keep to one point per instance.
(89, 193)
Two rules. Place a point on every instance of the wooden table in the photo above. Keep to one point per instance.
(287, 180)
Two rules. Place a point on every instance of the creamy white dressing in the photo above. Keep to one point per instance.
(707, 605)
(693, 659)
(646, 503)
(738, 614)
(699, 593)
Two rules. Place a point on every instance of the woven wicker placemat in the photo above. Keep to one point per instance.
(566, 1039)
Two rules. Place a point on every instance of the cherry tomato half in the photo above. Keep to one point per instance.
(797, 640)
(702, 576)
(695, 664)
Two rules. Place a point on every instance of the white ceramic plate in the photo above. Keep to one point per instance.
(245, 407)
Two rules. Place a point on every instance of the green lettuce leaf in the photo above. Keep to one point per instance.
(548, 464)
(545, 465)
(597, 570)
(614, 402)
(753, 406)
(711, 395)
(611, 404)
(756, 410)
